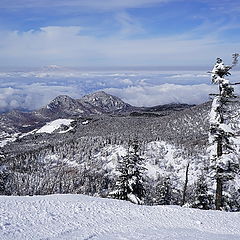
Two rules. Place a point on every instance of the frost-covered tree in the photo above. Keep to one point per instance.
(129, 185)
(3, 179)
(202, 199)
(223, 158)
(163, 191)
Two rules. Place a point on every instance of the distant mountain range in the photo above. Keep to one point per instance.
(63, 106)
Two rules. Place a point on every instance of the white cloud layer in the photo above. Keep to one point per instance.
(164, 94)
(28, 95)
(31, 97)
(29, 90)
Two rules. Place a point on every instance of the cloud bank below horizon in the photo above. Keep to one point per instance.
(30, 90)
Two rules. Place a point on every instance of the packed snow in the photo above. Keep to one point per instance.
(54, 125)
(83, 217)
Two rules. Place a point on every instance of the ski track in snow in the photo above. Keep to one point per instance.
(82, 217)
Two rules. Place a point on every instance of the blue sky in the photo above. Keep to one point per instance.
(118, 33)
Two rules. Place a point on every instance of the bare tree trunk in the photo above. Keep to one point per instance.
(185, 186)
(219, 183)
(218, 198)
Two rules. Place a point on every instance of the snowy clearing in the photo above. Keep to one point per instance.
(83, 217)
(85, 122)
(8, 139)
(56, 124)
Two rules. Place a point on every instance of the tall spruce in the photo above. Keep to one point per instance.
(129, 185)
(202, 199)
(223, 157)
(163, 191)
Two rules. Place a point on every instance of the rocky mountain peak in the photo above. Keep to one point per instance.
(63, 101)
(105, 101)
(97, 96)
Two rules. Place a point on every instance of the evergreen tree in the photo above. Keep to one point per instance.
(129, 185)
(3, 180)
(163, 192)
(223, 158)
(202, 199)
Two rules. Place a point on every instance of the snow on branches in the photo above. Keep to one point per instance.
(224, 160)
(129, 185)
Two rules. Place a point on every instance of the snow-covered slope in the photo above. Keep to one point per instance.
(83, 217)
(54, 125)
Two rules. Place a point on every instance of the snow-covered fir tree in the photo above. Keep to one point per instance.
(163, 191)
(3, 180)
(224, 161)
(129, 185)
(202, 199)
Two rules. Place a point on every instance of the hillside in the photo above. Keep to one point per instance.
(59, 217)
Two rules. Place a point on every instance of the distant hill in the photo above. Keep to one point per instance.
(63, 106)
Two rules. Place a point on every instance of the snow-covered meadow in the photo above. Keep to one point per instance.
(83, 217)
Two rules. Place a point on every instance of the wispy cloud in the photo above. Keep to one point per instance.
(67, 46)
(224, 6)
(128, 24)
(113, 32)
(95, 4)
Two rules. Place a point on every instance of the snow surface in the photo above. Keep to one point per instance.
(83, 217)
(56, 124)
(8, 139)
(85, 122)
